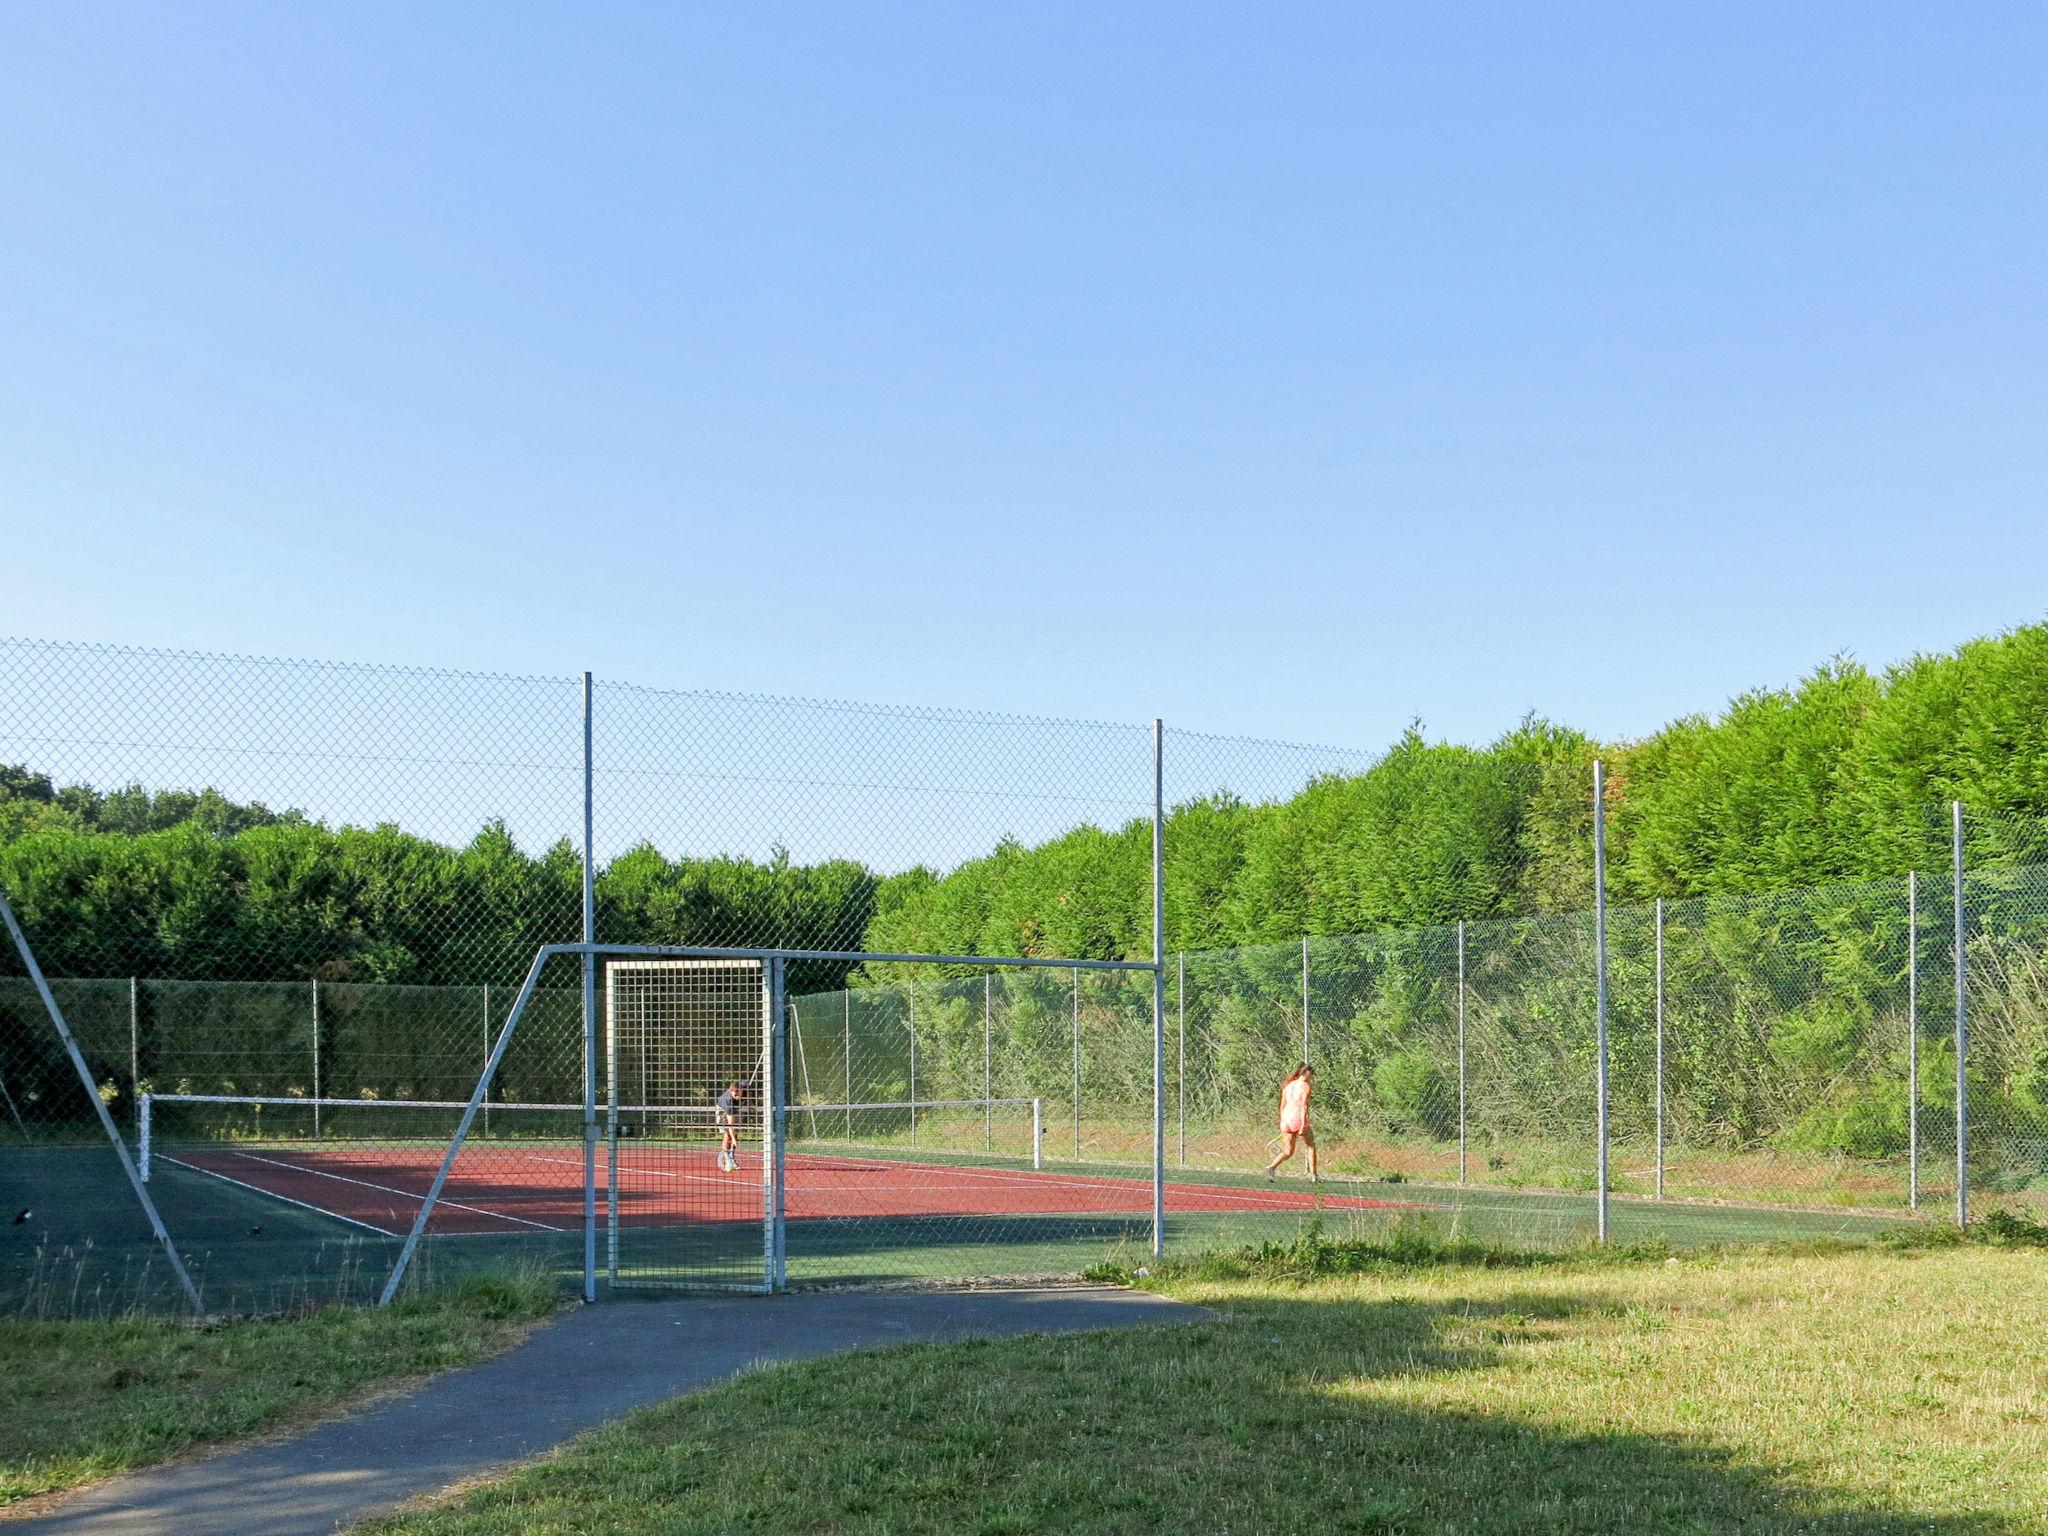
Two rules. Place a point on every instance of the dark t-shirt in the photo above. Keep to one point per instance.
(727, 1105)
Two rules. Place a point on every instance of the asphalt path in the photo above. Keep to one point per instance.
(589, 1365)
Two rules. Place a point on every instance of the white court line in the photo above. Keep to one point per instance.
(475, 1210)
(274, 1195)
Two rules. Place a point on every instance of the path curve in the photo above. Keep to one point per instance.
(590, 1365)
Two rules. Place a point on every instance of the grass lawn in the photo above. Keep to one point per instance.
(86, 1399)
(1866, 1391)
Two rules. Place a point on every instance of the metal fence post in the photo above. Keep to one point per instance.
(1962, 1037)
(913, 1063)
(487, 1051)
(1077, 1066)
(1462, 1095)
(1304, 997)
(987, 1070)
(1660, 1047)
(776, 1123)
(1912, 1040)
(589, 1002)
(135, 1045)
(1181, 1078)
(1159, 988)
(1600, 986)
(316, 1059)
(846, 1026)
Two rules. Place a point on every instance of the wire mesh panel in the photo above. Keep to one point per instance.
(2006, 981)
(1785, 1030)
(974, 1158)
(685, 1051)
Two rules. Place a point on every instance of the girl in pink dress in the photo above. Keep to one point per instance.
(1294, 1119)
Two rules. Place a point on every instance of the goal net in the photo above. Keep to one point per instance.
(677, 1034)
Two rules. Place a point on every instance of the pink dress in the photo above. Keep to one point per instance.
(1294, 1107)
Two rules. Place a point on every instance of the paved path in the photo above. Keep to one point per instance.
(593, 1364)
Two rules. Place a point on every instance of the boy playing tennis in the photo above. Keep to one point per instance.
(1294, 1119)
(728, 1114)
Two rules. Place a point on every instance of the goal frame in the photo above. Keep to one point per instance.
(764, 1075)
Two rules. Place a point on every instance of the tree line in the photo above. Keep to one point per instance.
(1837, 777)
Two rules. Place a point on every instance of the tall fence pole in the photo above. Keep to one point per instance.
(1600, 984)
(589, 1002)
(1660, 1047)
(135, 1048)
(1304, 997)
(487, 1051)
(987, 1069)
(776, 1124)
(913, 1063)
(1158, 988)
(1462, 1096)
(1181, 1076)
(846, 1029)
(1962, 1037)
(1077, 1066)
(316, 1059)
(1912, 1040)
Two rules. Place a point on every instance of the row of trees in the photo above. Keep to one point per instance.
(1834, 778)
(1844, 776)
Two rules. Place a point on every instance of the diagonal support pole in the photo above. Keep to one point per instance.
(476, 1098)
(92, 1092)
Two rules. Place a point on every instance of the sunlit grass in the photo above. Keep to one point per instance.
(1403, 1386)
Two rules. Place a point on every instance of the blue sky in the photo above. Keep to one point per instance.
(1290, 370)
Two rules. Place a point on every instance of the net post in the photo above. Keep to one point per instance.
(590, 1071)
(1037, 1134)
(1600, 987)
(1962, 1034)
(988, 1131)
(1462, 1094)
(483, 1084)
(846, 1026)
(142, 1136)
(1912, 1040)
(1659, 920)
(1077, 1065)
(1158, 988)
(92, 1092)
(487, 1051)
(913, 1062)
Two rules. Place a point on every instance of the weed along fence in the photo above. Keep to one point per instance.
(325, 981)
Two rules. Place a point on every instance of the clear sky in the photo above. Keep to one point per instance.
(1277, 368)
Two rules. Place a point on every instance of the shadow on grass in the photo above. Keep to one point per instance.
(1287, 1415)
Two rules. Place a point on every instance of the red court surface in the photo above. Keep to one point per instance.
(535, 1189)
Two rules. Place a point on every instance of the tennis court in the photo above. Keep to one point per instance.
(500, 1188)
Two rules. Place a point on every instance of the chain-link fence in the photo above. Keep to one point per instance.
(291, 905)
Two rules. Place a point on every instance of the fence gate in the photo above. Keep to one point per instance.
(689, 1060)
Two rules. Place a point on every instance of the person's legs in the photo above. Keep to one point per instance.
(1286, 1150)
(1308, 1140)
